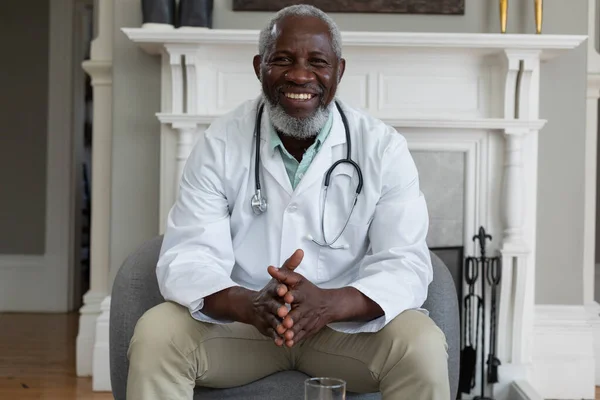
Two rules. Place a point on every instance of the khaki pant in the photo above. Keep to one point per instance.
(171, 352)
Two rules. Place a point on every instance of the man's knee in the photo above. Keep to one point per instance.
(162, 329)
(416, 343)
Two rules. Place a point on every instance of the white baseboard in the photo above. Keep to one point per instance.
(86, 336)
(563, 352)
(522, 390)
(101, 363)
(594, 312)
(26, 285)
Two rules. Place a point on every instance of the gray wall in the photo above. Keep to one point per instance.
(561, 141)
(135, 162)
(559, 277)
(23, 113)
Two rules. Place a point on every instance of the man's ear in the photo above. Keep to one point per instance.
(341, 69)
(256, 62)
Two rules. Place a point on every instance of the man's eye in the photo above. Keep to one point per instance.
(318, 61)
(281, 60)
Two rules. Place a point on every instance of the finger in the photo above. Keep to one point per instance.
(274, 332)
(294, 260)
(280, 329)
(297, 339)
(286, 276)
(292, 333)
(292, 318)
(289, 265)
(281, 290)
(278, 309)
(293, 296)
(301, 330)
(275, 324)
(273, 335)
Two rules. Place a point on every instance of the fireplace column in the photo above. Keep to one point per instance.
(99, 67)
(519, 195)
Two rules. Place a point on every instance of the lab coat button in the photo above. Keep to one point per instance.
(292, 208)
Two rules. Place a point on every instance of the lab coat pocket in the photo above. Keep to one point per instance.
(344, 254)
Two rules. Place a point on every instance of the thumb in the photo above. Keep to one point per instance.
(294, 260)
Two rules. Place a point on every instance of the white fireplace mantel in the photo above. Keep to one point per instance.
(154, 41)
(473, 93)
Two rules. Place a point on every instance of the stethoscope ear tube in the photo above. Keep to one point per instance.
(356, 167)
(258, 202)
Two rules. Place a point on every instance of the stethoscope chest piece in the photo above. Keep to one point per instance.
(259, 203)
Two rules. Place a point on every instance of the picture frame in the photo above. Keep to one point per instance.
(447, 7)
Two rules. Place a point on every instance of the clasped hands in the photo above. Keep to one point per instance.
(309, 308)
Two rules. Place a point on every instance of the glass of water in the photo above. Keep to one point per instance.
(324, 389)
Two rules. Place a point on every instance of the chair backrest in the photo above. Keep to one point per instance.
(135, 290)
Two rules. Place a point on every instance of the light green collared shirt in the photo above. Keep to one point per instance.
(295, 169)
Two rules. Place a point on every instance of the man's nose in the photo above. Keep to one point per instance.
(300, 74)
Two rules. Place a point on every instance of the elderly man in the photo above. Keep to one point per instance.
(271, 263)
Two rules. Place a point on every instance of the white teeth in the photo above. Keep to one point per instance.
(298, 96)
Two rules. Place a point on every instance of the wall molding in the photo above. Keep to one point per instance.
(101, 360)
(563, 352)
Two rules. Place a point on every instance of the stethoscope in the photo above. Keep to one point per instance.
(259, 202)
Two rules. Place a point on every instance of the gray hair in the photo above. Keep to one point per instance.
(267, 38)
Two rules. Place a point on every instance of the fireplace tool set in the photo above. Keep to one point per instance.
(486, 272)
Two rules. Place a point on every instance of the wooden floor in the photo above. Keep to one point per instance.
(37, 359)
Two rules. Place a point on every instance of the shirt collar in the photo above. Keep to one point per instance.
(275, 141)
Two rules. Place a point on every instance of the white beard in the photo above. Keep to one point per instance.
(299, 128)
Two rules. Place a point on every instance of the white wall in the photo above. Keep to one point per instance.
(560, 215)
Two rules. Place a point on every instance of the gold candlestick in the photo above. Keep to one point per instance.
(538, 15)
(503, 9)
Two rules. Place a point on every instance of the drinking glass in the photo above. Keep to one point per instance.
(324, 389)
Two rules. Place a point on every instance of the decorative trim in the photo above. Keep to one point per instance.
(86, 336)
(100, 71)
(591, 138)
(563, 352)
(590, 189)
(180, 121)
(101, 364)
(152, 41)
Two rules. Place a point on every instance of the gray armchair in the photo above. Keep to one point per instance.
(135, 290)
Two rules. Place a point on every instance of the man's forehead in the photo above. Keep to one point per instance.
(306, 24)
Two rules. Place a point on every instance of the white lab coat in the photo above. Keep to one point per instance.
(214, 241)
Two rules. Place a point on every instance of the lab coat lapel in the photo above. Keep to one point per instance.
(324, 158)
(271, 160)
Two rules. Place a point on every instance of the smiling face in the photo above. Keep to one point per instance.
(299, 75)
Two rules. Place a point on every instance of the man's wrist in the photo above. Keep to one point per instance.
(241, 300)
(234, 303)
(348, 304)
